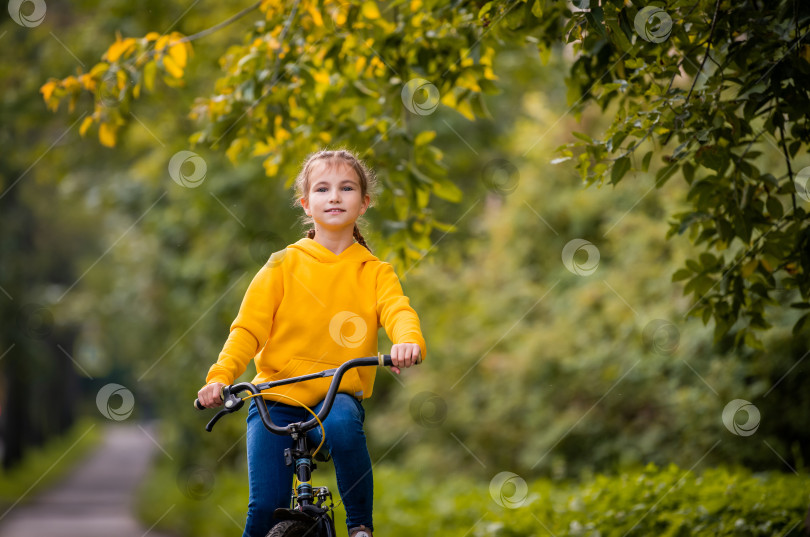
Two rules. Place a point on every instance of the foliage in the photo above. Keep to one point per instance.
(707, 88)
(648, 501)
(47, 464)
(296, 81)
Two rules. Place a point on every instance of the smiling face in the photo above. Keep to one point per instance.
(334, 199)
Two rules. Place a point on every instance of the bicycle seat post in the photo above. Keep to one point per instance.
(303, 466)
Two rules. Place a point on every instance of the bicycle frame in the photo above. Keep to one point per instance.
(308, 501)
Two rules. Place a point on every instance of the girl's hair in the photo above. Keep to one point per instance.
(368, 182)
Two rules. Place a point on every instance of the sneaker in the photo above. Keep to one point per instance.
(360, 531)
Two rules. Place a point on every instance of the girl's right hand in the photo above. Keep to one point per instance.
(210, 395)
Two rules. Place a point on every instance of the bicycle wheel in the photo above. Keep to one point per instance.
(292, 528)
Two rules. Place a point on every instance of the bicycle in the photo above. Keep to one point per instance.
(311, 511)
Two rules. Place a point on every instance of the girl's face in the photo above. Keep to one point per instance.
(335, 200)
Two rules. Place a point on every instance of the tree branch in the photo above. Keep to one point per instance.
(708, 48)
(223, 24)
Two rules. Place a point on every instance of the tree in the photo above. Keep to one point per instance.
(715, 79)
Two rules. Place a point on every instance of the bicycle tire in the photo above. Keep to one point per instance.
(292, 528)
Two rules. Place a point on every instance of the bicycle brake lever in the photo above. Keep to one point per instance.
(215, 419)
(232, 404)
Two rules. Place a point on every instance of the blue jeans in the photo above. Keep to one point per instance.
(271, 480)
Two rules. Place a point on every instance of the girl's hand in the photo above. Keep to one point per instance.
(210, 395)
(405, 355)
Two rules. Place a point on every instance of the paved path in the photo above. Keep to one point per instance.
(96, 499)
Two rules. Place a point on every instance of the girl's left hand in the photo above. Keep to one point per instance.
(405, 355)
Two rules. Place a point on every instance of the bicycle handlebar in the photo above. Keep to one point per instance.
(233, 403)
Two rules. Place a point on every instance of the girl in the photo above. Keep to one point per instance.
(313, 306)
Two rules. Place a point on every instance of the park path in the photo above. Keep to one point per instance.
(97, 498)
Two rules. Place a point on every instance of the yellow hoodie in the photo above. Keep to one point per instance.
(309, 309)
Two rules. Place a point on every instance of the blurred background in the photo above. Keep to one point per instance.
(560, 395)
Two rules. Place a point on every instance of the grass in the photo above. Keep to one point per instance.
(43, 466)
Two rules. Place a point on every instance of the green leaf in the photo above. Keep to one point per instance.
(446, 189)
(620, 167)
(645, 162)
(775, 208)
(681, 274)
(801, 324)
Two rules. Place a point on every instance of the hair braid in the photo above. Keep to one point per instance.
(359, 238)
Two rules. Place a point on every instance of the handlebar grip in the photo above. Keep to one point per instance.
(198, 405)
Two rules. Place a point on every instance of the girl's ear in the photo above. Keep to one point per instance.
(366, 202)
(305, 205)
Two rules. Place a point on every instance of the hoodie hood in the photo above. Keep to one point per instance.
(356, 252)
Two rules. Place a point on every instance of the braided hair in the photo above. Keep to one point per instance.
(368, 182)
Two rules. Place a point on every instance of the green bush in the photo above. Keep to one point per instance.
(650, 501)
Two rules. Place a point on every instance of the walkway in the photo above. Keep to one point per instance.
(97, 498)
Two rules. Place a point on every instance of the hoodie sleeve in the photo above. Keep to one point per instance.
(394, 311)
(251, 328)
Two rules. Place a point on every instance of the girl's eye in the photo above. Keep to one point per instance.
(348, 188)
(320, 189)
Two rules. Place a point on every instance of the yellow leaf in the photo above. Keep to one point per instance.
(321, 77)
(172, 67)
(270, 166)
(467, 80)
(71, 84)
(151, 36)
(316, 16)
(805, 53)
(106, 134)
(271, 7)
(85, 125)
(465, 109)
(370, 10)
(360, 64)
(416, 5)
(149, 72)
(88, 82)
(162, 42)
(179, 54)
(47, 89)
(325, 136)
(119, 48)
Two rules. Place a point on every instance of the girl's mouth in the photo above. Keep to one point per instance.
(335, 211)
